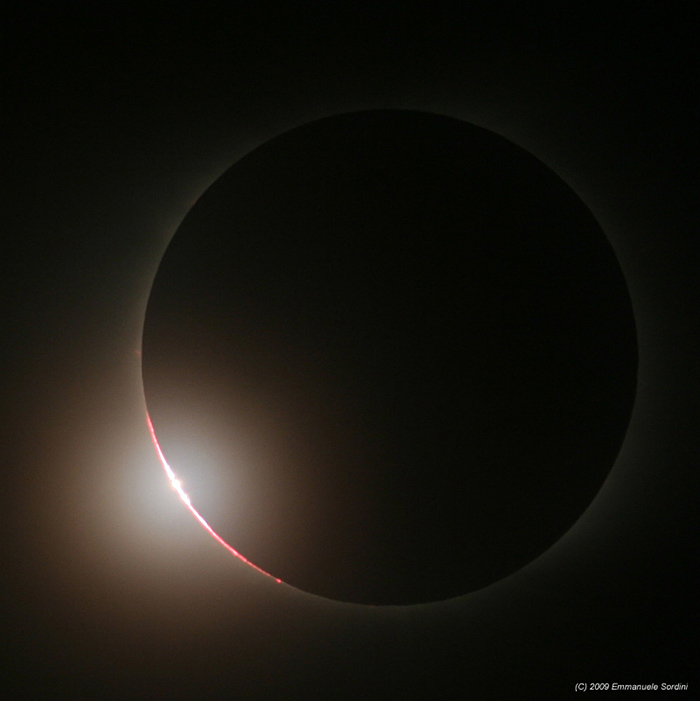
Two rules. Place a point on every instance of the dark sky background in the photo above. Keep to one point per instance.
(116, 119)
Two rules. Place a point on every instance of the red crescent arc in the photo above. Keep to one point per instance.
(177, 486)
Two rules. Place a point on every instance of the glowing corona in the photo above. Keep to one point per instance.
(177, 486)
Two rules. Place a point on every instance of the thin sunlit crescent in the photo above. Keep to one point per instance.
(177, 486)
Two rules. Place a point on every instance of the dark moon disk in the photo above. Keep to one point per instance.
(391, 356)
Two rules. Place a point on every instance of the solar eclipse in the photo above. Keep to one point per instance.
(412, 343)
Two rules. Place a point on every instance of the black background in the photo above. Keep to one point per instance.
(115, 119)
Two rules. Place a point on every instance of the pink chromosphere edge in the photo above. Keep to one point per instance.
(177, 486)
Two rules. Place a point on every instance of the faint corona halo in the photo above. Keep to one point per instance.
(411, 342)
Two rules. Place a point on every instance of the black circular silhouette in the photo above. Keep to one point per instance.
(391, 355)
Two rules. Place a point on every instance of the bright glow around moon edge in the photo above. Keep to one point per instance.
(177, 486)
